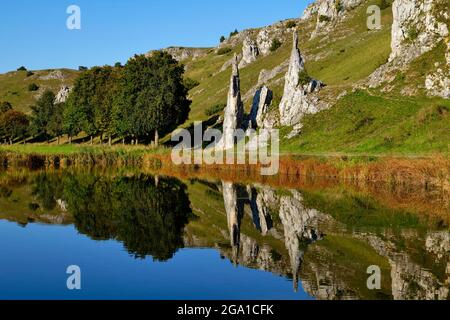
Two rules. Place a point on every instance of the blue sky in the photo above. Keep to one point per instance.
(34, 33)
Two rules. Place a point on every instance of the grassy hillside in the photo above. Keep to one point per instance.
(14, 85)
(401, 121)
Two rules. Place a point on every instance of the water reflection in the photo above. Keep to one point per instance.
(323, 241)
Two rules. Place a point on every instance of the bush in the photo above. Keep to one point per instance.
(223, 51)
(29, 73)
(5, 106)
(291, 24)
(275, 45)
(215, 109)
(304, 78)
(323, 18)
(384, 4)
(33, 87)
(222, 39)
(82, 68)
(22, 68)
(235, 32)
(190, 83)
(338, 5)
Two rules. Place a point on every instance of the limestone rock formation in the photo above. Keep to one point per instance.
(418, 26)
(250, 52)
(260, 107)
(327, 12)
(296, 102)
(181, 53)
(234, 112)
(62, 94)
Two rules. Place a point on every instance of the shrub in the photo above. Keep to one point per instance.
(223, 51)
(413, 33)
(215, 109)
(338, 5)
(33, 87)
(82, 68)
(275, 45)
(222, 39)
(384, 4)
(22, 68)
(5, 106)
(235, 32)
(190, 83)
(291, 24)
(29, 73)
(323, 18)
(304, 78)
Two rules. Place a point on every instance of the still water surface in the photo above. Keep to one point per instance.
(136, 236)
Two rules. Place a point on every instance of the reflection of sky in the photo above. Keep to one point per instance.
(34, 260)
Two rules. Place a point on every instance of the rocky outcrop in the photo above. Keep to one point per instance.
(418, 27)
(181, 54)
(250, 52)
(234, 112)
(296, 102)
(327, 13)
(62, 95)
(260, 107)
(234, 208)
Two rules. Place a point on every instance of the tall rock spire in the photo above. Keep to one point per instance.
(234, 112)
(295, 103)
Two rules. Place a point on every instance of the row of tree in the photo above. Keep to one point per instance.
(145, 98)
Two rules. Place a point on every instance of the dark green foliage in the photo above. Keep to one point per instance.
(82, 68)
(33, 87)
(235, 32)
(222, 39)
(384, 4)
(146, 214)
(89, 106)
(223, 51)
(22, 68)
(291, 24)
(29, 73)
(215, 109)
(338, 5)
(276, 44)
(42, 114)
(303, 78)
(323, 18)
(190, 83)
(14, 124)
(5, 106)
(152, 97)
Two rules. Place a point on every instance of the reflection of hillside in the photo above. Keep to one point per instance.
(334, 268)
(324, 240)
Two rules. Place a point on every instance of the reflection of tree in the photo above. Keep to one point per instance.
(47, 188)
(148, 217)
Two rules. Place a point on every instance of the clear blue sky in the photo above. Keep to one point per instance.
(34, 33)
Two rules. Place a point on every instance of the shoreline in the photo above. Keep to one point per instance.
(412, 172)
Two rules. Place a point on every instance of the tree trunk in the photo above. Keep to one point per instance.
(10, 141)
(92, 140)
(101, 138)
(70, 139)
(156, 139)
(58, 140)
(110, 141)
(123, 141)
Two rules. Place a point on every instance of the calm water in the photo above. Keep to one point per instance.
(136, 236)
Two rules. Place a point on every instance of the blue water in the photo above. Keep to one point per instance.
(34, 259)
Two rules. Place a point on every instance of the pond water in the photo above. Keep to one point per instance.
(138, 236)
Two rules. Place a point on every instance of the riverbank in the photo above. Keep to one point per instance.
(413, 171)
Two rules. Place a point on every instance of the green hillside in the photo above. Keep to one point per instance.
(14, 86)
